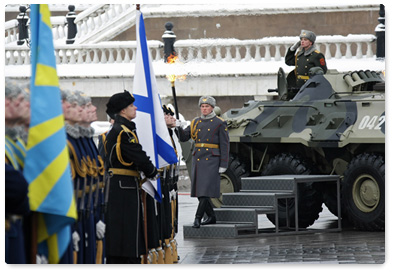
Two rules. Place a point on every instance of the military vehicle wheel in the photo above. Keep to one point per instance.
(231, 179)
(310, 200)
(363, 192)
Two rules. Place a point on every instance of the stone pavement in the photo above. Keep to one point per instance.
(346, 247)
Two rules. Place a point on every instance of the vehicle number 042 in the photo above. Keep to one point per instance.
(371, 123)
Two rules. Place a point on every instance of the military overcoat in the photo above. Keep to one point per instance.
(211, 151)
(303, 61)
(124, 218)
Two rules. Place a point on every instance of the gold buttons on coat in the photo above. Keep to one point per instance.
(208, 129)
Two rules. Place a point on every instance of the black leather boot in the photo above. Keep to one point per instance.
(196, 223)
(210, 215)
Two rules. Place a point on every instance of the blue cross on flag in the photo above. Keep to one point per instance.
(150, 121)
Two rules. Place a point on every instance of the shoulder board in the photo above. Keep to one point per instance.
(316, 51)
(220, 118)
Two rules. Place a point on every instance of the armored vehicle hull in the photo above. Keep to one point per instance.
(335, 124)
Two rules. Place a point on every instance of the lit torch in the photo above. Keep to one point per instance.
(173, 59)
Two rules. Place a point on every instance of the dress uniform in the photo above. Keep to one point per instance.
(125, 159)
(210, 157)
(303, 60)
(16, 187)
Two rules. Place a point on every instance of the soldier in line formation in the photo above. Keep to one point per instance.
(17, 210)
(87, 171)
(91, 187)
(138, 228)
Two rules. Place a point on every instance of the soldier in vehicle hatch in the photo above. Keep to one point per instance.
(304, 56)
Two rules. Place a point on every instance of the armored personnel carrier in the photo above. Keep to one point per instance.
(335, 124)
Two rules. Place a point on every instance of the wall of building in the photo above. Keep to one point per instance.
(259, 26)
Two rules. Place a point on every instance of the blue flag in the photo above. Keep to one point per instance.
(150, 121)
(47, 167)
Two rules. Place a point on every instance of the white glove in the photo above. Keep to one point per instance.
(41, 259)
(295, 46)
(100, 230)
(76, 239)
(222, 170)
(178, 123)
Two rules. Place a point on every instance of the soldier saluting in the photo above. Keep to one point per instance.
(210, 157)
(304, 59)
(125, 160)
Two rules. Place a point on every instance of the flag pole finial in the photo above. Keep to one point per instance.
(137, 6)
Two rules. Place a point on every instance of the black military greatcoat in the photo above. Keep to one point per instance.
(124, 221)
(211, 152)
(303, 61)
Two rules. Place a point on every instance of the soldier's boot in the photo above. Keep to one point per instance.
(161, 255)
(200, 211)
(144, 259)
(154, 256)
(168, 252)
(210, 215)
(175, 253)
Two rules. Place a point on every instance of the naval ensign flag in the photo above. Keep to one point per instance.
(151, 127)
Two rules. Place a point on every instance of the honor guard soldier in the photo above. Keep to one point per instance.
(210, 157)
(304, 56)
(72, 115)
(17, 109)
(95, 216)
(125, 225)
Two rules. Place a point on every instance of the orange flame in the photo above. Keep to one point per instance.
(173, 59)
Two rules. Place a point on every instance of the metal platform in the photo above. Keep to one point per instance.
(238, 217)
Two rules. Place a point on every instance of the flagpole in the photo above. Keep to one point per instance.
(33, 239)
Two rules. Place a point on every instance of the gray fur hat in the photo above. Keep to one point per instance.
(12, 88)
(207, 100)
(68, 96)
(82, 98)
(308, 35)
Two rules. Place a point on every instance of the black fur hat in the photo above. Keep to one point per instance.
(119, 101)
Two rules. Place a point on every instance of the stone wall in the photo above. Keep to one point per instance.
(259, 26)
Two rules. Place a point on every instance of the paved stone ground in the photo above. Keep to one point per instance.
(346, 247)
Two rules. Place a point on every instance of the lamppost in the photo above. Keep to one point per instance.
(71, 26)
(22, 26)
(380, 34)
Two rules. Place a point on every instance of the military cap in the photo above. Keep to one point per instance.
(207, 100)
(167, 110)
(117, 102)
(68, 96)
(12, 88)
(308, 35)
(82, 98)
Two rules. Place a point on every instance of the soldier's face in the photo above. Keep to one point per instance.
(206, 109)
(129, 112)
(305, 43)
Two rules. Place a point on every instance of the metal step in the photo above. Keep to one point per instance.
(229, 230)
(267, 183)
(241, 215)
(252, 199)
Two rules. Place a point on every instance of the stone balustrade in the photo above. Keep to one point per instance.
(203, 50)
(270, 48)
(59, 29)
